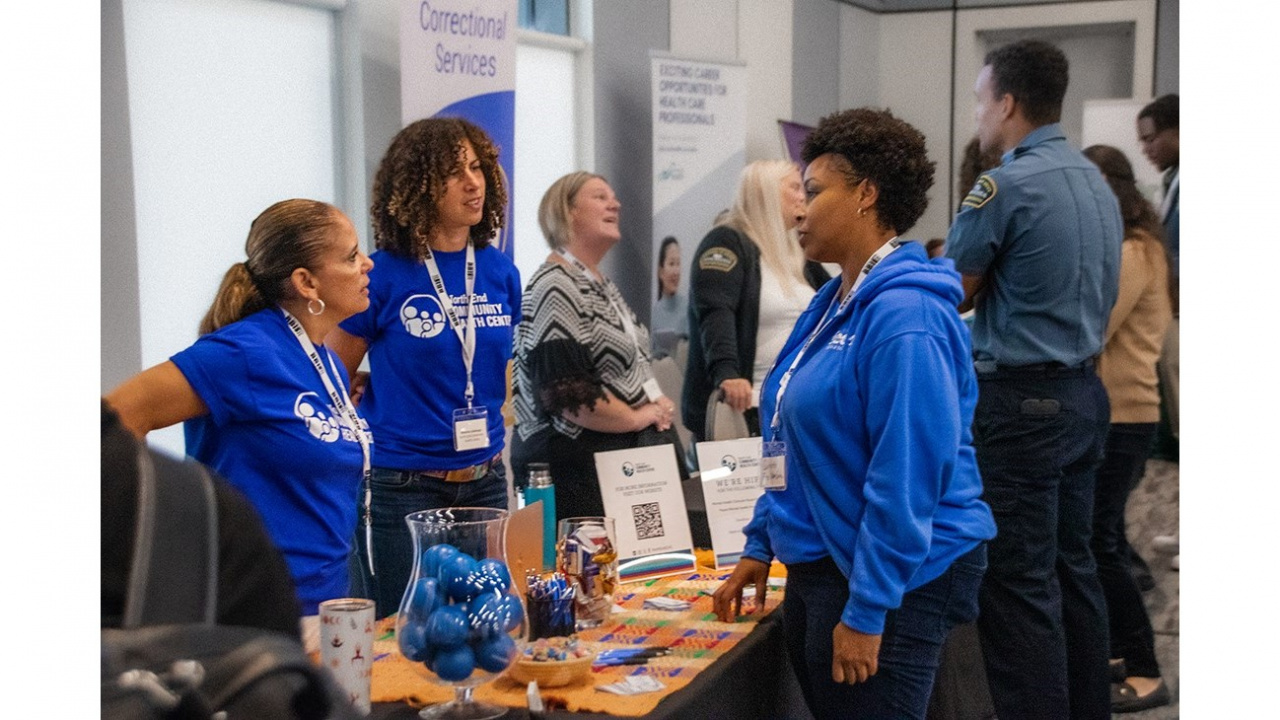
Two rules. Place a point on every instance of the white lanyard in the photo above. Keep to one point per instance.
(627, 324)
(884, 251)
(466, 336)
(341, 402)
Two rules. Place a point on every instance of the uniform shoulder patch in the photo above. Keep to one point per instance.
(982, 192)
(717, 258)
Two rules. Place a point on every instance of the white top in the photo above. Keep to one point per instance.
(778, 314)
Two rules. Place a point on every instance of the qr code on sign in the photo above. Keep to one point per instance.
(648, 521)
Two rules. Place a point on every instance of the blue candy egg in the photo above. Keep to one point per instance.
(454, 664)
(495, 654)
(424, 598)
(412, 638)
(494, 575)
(434, 556)
(456, 577)
(482, 615)
(447, 627)
(510, 612)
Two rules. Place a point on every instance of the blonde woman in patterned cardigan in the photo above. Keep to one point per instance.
(582, 381)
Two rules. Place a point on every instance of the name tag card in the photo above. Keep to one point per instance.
(470, 429)
(731, 484)
(641, 491)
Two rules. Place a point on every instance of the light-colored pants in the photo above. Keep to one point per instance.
(1167, 367)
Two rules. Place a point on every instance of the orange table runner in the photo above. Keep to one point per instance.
(696, 637)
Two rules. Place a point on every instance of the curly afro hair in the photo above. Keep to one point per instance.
(411, 179)
(884, 150)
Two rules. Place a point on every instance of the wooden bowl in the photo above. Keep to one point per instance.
(551, 673)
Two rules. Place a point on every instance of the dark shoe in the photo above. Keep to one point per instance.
(1124, 699)
(1118, 673)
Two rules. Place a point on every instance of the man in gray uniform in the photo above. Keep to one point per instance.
(1038, 242)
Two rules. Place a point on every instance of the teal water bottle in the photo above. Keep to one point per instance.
(542, 488)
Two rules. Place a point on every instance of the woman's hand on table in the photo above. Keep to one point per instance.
(854, 655)
(727, 599)
(736, 392)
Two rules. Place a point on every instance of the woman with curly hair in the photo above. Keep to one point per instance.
(873, 499)
(444, 302)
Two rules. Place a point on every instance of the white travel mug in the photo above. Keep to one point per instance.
(346, 646)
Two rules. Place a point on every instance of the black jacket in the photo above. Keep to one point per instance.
(724, 315)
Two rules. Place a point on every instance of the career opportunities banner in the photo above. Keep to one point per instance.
(458, 59)
(699, 149)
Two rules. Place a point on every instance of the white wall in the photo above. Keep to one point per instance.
(755, 32)
(916, 88)
(704, 29)
(859, 57)
(764, 44)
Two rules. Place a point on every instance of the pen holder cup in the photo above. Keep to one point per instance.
(550, 617)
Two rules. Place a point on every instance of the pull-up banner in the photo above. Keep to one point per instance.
(699, 149)
(458, 59)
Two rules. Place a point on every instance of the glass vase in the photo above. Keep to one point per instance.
(461, 619)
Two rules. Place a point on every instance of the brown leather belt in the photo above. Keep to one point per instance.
(466, 474)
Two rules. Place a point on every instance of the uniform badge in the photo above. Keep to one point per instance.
(982, 192)
(718, 258)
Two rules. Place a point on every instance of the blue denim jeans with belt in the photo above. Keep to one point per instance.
(910, 645)
(1039, 435)
(397, 493)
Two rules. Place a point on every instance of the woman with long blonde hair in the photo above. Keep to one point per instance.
(749, 282)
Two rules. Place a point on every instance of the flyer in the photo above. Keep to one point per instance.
(641, 491)
(730, 471)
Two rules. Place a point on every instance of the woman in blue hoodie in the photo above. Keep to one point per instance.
(877, 511)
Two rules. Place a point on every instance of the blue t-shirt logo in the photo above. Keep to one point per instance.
(422, 315)
(321, 421)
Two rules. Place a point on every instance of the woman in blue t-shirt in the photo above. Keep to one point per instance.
(263, 401)
(437, 381)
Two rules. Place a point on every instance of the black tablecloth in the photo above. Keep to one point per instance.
(753, 680)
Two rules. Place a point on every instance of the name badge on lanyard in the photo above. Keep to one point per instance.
(773, 459)
(470, 428)
(773, 465)
(471, 423)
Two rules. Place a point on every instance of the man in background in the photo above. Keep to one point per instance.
(1158, 133)
(1037, 240)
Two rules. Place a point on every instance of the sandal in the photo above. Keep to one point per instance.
(1124, 699)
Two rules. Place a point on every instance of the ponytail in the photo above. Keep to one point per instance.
(237, 298)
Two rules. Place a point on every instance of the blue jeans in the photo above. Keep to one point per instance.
(1039, 438)
(397, 493)
(1128, 445)
(909, 646)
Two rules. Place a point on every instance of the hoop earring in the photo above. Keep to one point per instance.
(862, 211)
(311, 309)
